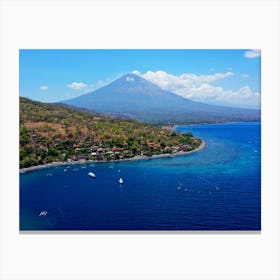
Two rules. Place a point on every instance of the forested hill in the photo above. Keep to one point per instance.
(50, 133)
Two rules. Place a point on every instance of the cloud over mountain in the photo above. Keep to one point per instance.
(200, 88)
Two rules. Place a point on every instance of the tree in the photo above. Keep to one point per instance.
(52, 151)
(24, 137)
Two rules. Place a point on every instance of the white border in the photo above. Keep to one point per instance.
(139, 24)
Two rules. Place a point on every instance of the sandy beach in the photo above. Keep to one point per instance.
(202, 146)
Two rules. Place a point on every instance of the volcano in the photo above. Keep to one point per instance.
(142, 100)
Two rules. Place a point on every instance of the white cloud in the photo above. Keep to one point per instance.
(245, 76)
(76, 85)
(252, 53)
(243, 97)
(199, 88)
(44, 87)
(186, 80)
(136, 72)
(130, 79)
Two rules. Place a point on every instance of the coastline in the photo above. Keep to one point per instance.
(202, 146)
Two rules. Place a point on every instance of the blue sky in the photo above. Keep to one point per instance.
(223, 77)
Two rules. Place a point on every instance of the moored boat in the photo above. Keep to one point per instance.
(91, 174)
(43, 213)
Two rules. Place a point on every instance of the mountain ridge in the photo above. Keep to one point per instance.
(147, 102)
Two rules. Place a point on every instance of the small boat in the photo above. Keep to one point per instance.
(43, 213)
(121, 181)
(91, 174)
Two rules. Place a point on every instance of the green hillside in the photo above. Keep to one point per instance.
(51, 133)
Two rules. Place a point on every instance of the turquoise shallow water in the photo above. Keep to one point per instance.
(218, 188)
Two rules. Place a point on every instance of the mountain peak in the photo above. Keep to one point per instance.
(134, 83)
(142, 100)
(131, 77)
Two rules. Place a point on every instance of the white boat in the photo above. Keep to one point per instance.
(121, 181)
(91, 174)
(43, 213)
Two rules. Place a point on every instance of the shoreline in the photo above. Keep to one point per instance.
(202, 146)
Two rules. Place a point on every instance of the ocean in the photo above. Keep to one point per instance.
(218, 188)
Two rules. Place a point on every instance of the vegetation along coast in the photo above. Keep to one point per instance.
(202, 146)
(52, 135)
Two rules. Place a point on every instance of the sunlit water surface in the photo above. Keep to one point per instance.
(218, 188)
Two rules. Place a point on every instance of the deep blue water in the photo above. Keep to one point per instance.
(218, 188)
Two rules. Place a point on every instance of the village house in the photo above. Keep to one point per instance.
(185, 146)
(166, 128)
(79, 157)
(150, 144)
(115, 149)
(175, 149)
